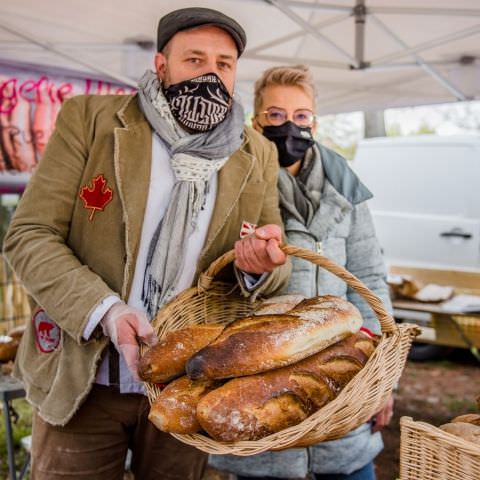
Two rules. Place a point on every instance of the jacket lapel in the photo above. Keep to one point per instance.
(232, 179)
(132, 161)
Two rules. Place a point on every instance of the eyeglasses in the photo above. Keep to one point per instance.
(278, 116)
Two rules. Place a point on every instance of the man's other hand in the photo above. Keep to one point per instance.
(383, 417)
(260, 252)
(126, 325)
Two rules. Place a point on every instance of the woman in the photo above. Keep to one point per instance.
(324, 209)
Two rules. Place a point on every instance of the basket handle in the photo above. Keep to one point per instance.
(387, 322)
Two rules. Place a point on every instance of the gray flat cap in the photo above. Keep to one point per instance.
(186, 18)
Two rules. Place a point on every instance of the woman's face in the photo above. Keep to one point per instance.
(292, 99)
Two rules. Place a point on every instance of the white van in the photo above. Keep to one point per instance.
(426, 203)
(426, 210)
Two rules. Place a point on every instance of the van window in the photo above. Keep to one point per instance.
(422, 178)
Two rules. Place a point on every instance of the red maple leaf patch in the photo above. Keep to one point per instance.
(97, 196)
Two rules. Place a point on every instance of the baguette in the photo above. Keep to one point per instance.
(174, 410)
(250, 408)
(259, 343)
(167, 359)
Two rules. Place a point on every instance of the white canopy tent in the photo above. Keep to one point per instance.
(365, 54)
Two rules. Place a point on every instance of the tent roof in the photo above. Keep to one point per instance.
(427, 52)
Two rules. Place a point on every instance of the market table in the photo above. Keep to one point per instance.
(10, 389)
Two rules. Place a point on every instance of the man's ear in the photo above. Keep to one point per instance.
(160, 65)
(314, 128)
(256, 125)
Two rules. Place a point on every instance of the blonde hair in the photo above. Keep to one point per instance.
(296, 76)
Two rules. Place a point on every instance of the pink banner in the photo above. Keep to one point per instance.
(29, 103)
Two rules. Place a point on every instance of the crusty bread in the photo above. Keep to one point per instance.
(8, 348)
(174, 410)
(464, 430)
(473, 418)
(250, 408)
(167, 359)
(278, 305)
(264, 342)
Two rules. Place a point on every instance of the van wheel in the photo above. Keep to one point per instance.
(421, 352)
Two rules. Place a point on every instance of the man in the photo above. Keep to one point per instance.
(134, 197)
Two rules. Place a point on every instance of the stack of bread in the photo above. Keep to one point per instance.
(260, 374)
(465, 426)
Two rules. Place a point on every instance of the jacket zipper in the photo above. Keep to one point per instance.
(318, 249)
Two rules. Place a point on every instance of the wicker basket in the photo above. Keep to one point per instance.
(363, 396)
(428, 453)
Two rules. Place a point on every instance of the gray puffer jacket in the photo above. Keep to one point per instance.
(342, 230)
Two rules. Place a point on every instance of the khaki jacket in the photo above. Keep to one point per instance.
(69, 263)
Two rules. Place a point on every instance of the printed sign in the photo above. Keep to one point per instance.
(29, 104)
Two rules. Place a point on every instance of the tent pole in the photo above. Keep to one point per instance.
(309, 28)
(422, 63)
(459, 12)
(317, 6)
(297, 34)
(97, 68)
(427, 45)
(359, 13)
(284, 59)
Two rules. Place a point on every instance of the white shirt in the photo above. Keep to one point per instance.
(161, 184)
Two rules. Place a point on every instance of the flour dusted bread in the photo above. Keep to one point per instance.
(264, 342)
(174, 410)
(278, 305)
(167, 359)
(250, 408)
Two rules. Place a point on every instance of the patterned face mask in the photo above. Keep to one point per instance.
(199, 104)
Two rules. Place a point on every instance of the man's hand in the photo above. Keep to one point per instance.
(125, 325)
(383, 417)
(260, 252)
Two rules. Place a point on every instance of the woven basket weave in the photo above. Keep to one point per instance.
(428, 453)
(363, 396)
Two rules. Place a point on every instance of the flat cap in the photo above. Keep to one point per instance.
(186, 18)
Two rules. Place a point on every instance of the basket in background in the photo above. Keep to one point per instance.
(428, 453)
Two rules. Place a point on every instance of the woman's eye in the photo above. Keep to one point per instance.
(275, 115)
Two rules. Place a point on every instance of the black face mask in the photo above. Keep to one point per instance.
(199, 104)
(291, 140)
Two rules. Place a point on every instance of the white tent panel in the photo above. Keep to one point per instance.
(423, 52)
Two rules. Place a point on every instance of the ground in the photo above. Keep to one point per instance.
(432, 391)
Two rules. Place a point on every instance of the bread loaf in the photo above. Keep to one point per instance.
(174, 410)
(278, 305)
(467, 431)
(473, 418)
(250, 408)
(8, 348)
(264, 342)
(167, 359)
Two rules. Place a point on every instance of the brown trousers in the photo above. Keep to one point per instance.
(93, 445)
